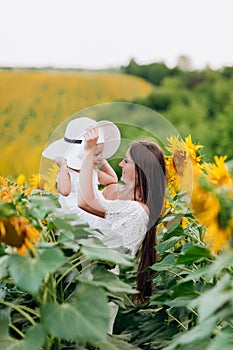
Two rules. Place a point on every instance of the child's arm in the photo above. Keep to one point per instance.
(63, 183)
(107, 175)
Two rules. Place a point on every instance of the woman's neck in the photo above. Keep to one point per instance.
(125, 191)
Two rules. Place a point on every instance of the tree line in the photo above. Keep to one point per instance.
(197, 102)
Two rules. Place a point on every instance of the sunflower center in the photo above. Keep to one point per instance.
(12, 237)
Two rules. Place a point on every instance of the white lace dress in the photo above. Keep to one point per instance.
(125, 228)
(126, 225)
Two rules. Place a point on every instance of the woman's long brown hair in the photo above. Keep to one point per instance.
(150, 186)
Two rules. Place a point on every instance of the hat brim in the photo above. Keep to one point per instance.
(61, 148)
(112, 137)
(71, 151)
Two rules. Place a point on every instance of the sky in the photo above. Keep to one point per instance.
(97, 34)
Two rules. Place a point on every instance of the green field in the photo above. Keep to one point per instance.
(34, 103)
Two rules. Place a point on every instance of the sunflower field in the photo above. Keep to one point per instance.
(34, 102)
(49, 302)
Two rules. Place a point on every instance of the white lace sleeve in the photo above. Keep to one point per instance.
(127, 225)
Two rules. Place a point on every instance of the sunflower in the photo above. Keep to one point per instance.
(176, 145)
(218, 173)
(207, 209)
(212, 190)
(172, 176)
(50, 184)
(206, 206)
(217, 237)
(9, 188)
(37, 181)
(21, 180)
(212, 207)
(185, 152)
(193, 150)
(179, 166)
(3, 182)
(184, 222)
(17, 232)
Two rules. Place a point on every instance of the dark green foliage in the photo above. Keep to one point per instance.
(154, 72)
(191, 307)
(227, 72)
(197, 102)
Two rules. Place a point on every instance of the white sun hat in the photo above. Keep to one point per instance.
(70, 146)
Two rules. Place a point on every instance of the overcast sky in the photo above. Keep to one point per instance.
(108, 33)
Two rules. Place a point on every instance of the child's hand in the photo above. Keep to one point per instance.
(91, 137)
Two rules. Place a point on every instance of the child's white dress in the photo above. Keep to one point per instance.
(69, 204)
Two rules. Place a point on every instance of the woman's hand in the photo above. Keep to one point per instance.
(86, 194)
(91, 137)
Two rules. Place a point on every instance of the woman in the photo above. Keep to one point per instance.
(133, 213)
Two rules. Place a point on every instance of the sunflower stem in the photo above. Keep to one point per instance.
(16, 330)
(19, 309)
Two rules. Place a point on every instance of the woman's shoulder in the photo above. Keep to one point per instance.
(110, 192)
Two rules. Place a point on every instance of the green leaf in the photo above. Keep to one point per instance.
(214, 299)
(94, 249)
(174, 217)
(164, 264)
(179, 301)
(223, 341)
(86, 319)
(37, 213)
(197, 333)
(7, 209)
(199, 344)
(44, 200)
(110, 281)
(186, 288)
(70, 222)
(174, 230)
(3, 266)
(4, 330)
(112, 343)
(167, 245)
(66, 237)
(222, 261)
(28, 273)
(195, 275)
(34, 339)
(194, 254)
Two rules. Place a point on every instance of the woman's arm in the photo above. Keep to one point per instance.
(86, 195)
(63, 183)
(110, 191)
(107, 175)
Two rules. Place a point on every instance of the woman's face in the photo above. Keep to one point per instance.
(128, 169)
